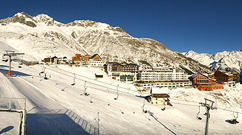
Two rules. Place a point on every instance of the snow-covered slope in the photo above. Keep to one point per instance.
(54, 106)
(42, 36)
(227, 60)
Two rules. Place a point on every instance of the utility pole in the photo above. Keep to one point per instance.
(209, 105)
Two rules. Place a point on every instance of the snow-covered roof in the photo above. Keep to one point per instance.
(164, 90)
(98, 73)
(228, 74)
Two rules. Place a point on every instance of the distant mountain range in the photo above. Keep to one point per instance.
(225, 61)
(41, 36)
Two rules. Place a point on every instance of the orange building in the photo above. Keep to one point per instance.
(203, 83)
(79, 57)
(85, 58)
(76, 57)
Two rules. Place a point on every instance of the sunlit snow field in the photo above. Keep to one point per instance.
(55, 106)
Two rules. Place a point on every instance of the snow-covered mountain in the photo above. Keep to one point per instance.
(203, 58)
(41, 36)
(222, 60)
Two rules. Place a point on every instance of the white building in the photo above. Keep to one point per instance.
(96, 63)
(162, 77)
(162, 74)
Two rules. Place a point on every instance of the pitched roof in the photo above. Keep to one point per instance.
(94, 56)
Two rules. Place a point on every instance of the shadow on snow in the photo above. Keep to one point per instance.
(152, 115)
(5, 130)
(58, 122)
(14, 73)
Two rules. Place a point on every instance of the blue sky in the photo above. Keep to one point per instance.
(204, 26)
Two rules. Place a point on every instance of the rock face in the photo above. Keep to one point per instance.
(42, 36)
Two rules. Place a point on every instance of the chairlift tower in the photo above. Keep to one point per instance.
(10, 53)
(209, 105)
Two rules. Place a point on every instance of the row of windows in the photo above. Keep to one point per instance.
(164, 76)
(165, 84)
(202, 81)
(160, 79)
(172, 86)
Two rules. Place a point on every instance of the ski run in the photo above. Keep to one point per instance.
(63, 105)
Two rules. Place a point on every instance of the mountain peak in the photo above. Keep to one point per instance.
(21, 18)
(22, 14)
(190, 53)
(43, 18)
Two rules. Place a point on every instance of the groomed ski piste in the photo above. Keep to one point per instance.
(63, 105)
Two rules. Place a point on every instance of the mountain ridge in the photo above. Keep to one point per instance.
(44, 37)
(225, 60)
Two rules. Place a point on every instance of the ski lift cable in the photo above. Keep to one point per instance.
(199, 102)
(115, 90)
(184, 104)
(229, 110)
(184, 100)
(131, 92)
(105, 82)
(108, 103)
(93, 79)
(123, 92)
(90, 79)
(112, 90)
(135, 93)
(115, 107)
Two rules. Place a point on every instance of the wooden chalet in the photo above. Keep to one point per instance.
(85, 58)
(96, 61)
(76, 57)
(222, 77)
(49, 59)
(204, 83)
(159, 96)
(236, 76)
(96, 57)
